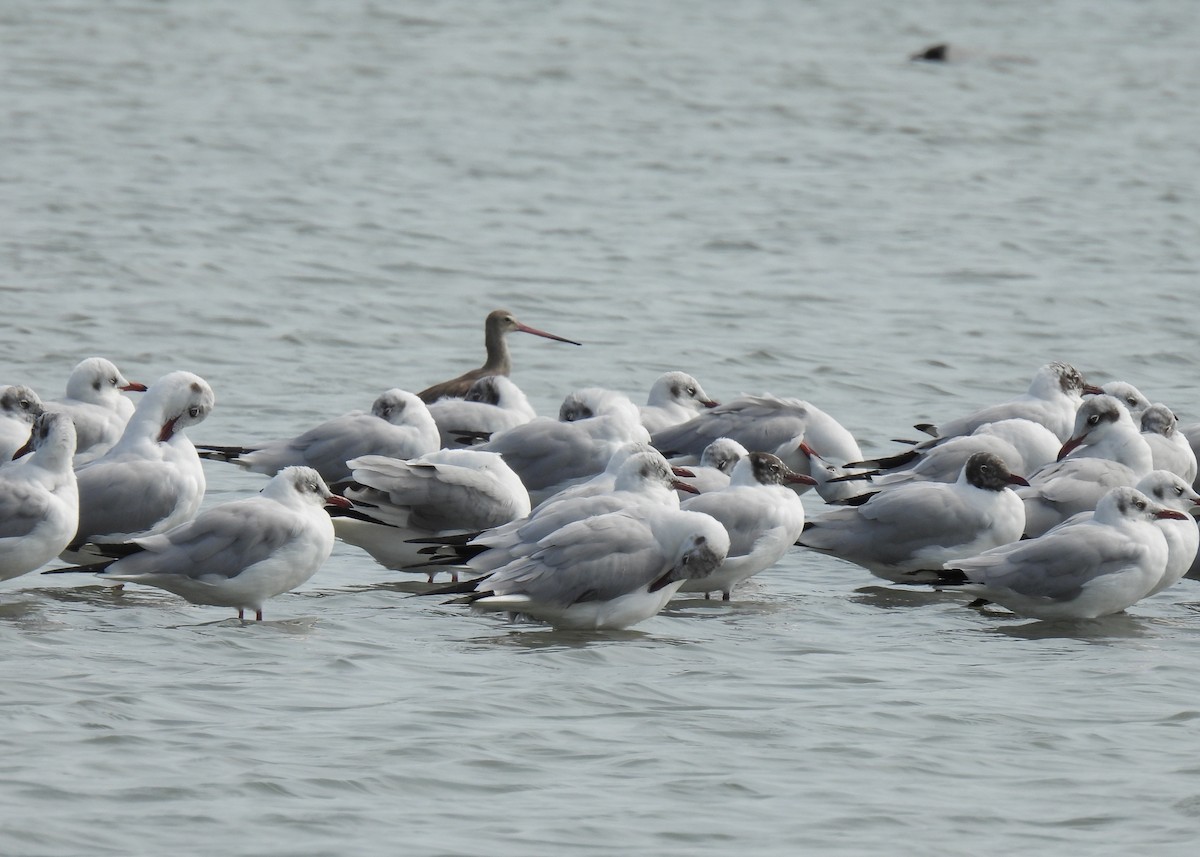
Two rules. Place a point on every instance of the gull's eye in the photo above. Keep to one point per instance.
(1093, 419)
(691, 391)
(193, 412)
(1131, 400)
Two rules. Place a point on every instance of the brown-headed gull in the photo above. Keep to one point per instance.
(96, 406)
(763, 423)
(1168, 446)
(496, 328)
(1105, 450)
(492, 404)
(152, 479)
(18, 407)
(39, 500)
(397, 426)
(448, 492)
(606, 572)
(549, 454)
(675, 397)
(762, 516)
(1085, 570)
(238, 554)
(915, 526)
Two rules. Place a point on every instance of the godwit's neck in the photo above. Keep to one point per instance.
(498, 360)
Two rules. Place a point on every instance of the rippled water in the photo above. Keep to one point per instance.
(307, 203)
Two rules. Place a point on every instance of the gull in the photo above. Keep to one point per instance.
(240, 553)
(761, 515)
(498, 325)
(39, 499)
(397, 426)
(763, 423)
(675, 397)
(1052, 399)
(448, 492)
(1105, 451)
(1169, 448)
(644, 480)
(603, 482)
(921, 525)
(152, 479)
(18, 407)
(608, 571)
(1129, 396)
(1085, 570)
(95, 404)
(1183, 536)
(492, 404)
(716, 464)
(837, 485)
(1024, 445)
(549, 454)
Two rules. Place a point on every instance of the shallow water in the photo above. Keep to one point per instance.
(307, 203)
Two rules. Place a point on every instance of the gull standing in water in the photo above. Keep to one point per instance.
(1105, 450)
(1183, 536)
(240, 553)
(549, 454)
(675, 398)
(496, 328)
(18, 407)
(761, 514)
(1168, 446)
(716, 465)
(39, 498)
(1053, 397)
(915, 526)
(448, 492)
(764, 423)
(644, 481)
(606, 572)
(397, 426)
(492, 404)
(152, 479)
(96, 406)
(1084, 570)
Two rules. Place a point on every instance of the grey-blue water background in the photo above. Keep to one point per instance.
(310, 202)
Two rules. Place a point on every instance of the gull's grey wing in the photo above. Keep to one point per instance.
(896, 523)
(596, 559)
(222, 542)
(22, 507)
(544, 452)
(126, 497)
(1058, 567)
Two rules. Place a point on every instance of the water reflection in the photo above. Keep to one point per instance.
(895, 597)
(1120, 626)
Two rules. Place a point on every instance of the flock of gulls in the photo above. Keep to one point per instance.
(1067, 502)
